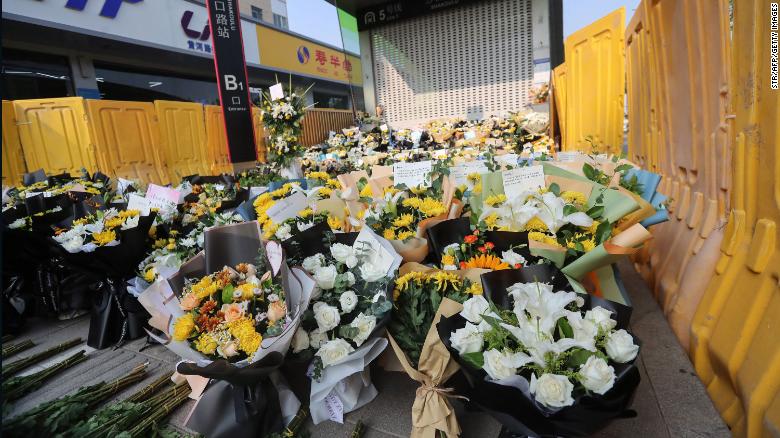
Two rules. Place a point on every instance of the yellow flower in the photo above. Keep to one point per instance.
(491, 220)
(412, 202)
(113, 222)
(572, 197)
(406, 234)
(535, 224)
(447, 259)
(334, 223)
(404, 220)
(431, 207)
(306, 213)
(495, 200)
(589, 244)
(593, 227)
(391, 190)
(402, 282)
(244, 331)
(333, 183)
(419, 190)
(325, 192)
(269, 229)
(477, 189)
(475, 289)
(486, 261)
(389, 234)
(366, 192)
(444, 279)
(474, 178)
(104, 237)
(171, 246)
(246, 290)
(317, 175)
(204, 288)
(129, 213)
(183, 327)
(149, 274)
(206, 344)
(543, 237)
(153, 231)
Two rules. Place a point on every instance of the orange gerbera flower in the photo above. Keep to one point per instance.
(486, 261)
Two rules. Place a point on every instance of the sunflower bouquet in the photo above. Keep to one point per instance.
(421, 296)
(478, 252)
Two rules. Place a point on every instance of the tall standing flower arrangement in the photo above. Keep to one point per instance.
(283, 118)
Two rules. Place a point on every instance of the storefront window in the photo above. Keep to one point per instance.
(117, 83)
(327, 100)
(30, 75)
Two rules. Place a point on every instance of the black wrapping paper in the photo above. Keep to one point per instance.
(519, 412)
(243, 402)
(116, 316)
(446, 233)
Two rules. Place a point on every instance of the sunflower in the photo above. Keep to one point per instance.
(486, 261)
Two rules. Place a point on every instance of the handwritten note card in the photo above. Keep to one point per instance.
(413, 174)
(522, 179)
(277, 92)
(459, 174)
(162, 194)
(288, 207)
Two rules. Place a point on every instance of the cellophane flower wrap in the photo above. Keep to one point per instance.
(340, 330)
(421, 296)
(542, 360)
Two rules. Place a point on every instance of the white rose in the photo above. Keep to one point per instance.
(620, 346)
(348, 301)
(344, 254)
(300, 340)
(474, 308)
(601, 317)
(313, 262)
(19, 223)
(552, 390)
(75, 244)
(349, 277)
(501, 365)
(512, 258)
(365, 325)
(327, 317)
(334, 351)
(467, 339)
(283, 232)
(596, 375)
(371, 273)
(325, 276)
(317, 338)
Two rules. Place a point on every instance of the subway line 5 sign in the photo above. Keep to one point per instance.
(286, 52)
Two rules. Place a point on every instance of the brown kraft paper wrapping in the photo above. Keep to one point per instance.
(432, 411)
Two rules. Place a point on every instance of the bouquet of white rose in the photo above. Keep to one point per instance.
(339, 331)
(544, 361)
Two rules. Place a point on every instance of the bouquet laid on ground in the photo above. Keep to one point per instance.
(421, 297)
(541, 360)
(282, 118)
(107, 246)
(340, 330)
(231, 313)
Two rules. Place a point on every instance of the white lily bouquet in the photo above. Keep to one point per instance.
(556, 362)
(339, 331)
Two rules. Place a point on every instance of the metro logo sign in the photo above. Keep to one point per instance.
(110, 7)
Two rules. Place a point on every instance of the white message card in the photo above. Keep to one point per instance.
(288, 207)
(522, 179)
(413, 174)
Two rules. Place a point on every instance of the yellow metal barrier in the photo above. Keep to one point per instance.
(319, 122)
(734, 334)
(126, 140)
(559, 100)
(55, 134)
(183, 138)
(219, 159)
(595, 90)
(257, 121)
(13, 157)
